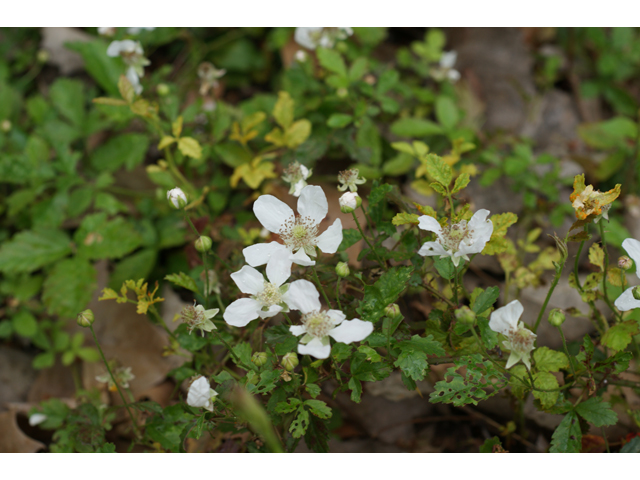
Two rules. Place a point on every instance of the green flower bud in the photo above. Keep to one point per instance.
(636, 293)
(625, 263)
(203, 244)
(42, 56)
(349, 202)
(177, 198)
(259, 358)
(86, 318)
(290, 361)
(465, 315)
(342, 92)
(163, 89)
(342, 269)
(6, 125)
(392, 311)
(556, 317)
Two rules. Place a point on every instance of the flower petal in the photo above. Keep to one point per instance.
(354, 330)
(301, 258)
(260, 253)
(316, 348)
(302, 295)
(199, 395)
(514, 358)
(626, 301)
(505, 319)
(429, 249)
(241, 312)
(313, 203)
(271, 212)
(632, 247)
(248, 280)
(331, 238)
(279, 266)
(336, 316)
(430, 224)
(273, 310)
(482, 230)
(297, 330)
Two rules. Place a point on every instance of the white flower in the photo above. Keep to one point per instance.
(446, 70)
(177, 198)
(519, 339)
(107, 31)
(268, 298)
(350, 179)
(627, 301)
(458, 240)
(133, 55)
(318, 325)
(209, 76)
(300, 56)
(201, 394)
(137, 30)
(296, 174)
(37, 419)
(122, 375)
(349, 201)
(134, 79)
(313, 37)
(197, 317)
(298, 232)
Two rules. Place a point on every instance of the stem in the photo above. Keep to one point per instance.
(235, 357)
(338, 293)
(324, 294)
(606, 442)
(435, 292)
(566, 351)
(546, 300)
(575, 266)
(382, 263)
(455, 287)
(606, 265)
(113, 379)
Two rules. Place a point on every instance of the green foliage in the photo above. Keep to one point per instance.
(33, 249)
(567, 437)
(386, 290)
(69, 287)
(595, 410)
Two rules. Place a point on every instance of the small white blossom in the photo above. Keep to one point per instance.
(209, 76)
(350, 179)
(37, 419)
(349, 201)
(300, 56)
(326, 37)
(446, 70)
(123, 376)
(132, 54)
(107, 31)
(296, 175)
(318, 325)
(298, 232)
(177, 198)
(197, 317)
(520, 340)
(137, 30)
(459, 240)
(201, 394)
(626, 301)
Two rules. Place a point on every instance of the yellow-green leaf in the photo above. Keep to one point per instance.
(190, 147)
(439, 170)
(165, 142)
(283, 110)
(596, 256)
(176, 127)
(253, 120)
(619, 336)
(461, 182)
(405, 218)
(126, 89)
(140, 107)
(546, 381)
(403, 147)
(115, 102)
(297, 133)
(276, 137)
(548, 360)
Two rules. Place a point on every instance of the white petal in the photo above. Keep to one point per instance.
(482, 230)
(260, 253)
(271, 212)
(313, 203)
(514, 358)
(301, 258)
(279, 266)
(430, 224)
(297, 188)
(354, 330)
(199, 395)
(37, 419)
(302, 36)
(625, 301)
(302, 295)
(241, 312)
(297, 330)
(331, 238)
(273, 310)
(453, 75)
(316, 348)
(632, 247)
(429, 249)
(248, 280)
(448, 59)
(506, 318)
(337, 316)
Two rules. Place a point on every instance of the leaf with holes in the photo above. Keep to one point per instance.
(567, 437)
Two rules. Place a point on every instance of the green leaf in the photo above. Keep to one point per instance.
(446, 112)
(232, 154)
(283, 110)
(297, 133)
(547, 360)
(545, 381)
(128, 149)
(358, 69)
(413, 364)
(620, 335)
(415, 127)
(339, 120)
(281, 339)
(632, 447)
(461, 182)
(6, 329)
(567, 437)
(439, 170)
(487, 446)
(183, 280)
(368, 139)
(489, 337)
(104, 69)
(67, 95)
(386, 290)
(398, 165)
(30, 250)
(597, 411)
(44, 360)
(98, 237)
(356, 389)
(25, 324)
(89, 354)
(485, 300)
(608, 134)
(300, 423)
(190, 147)
(332, 61)
(318, 408)
(243, 352)
(291, 405)
(138, 265)
(312, 389)
(350, 236)
(69, 287)
(405, 218)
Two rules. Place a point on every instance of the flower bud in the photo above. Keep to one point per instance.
(177, 198)
(556, 317)
(342, 270)
(163, 89)
(42, 56)
(465, 315)
(203, 244)
(290, 361)
(625, 263)
(86, 318)
(392, 311)
(636, 293)
(342, 92)
(349, 201)
(259, 359)
(5, 125)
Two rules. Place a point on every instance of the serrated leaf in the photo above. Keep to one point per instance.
(67, 96)
(190, 147)
(312, 389)
(631, 447)
(597, 411)
(485, 299)
(128, 149)
(547, 360)
(183, 280)
(356, 389)
(489, 337)
(281, 339)
(386, 290)
(413, 364)
(545, 381)
(461, 182)
(33, 249)
(439, 170)
(619, 336)
(165, 142)
(567, 437)
(300, 423)
(596, 256)
(318, 408)
(405, 218)
(332, 61)
(69, 287)
(98, 237)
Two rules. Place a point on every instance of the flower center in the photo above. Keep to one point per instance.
(453, 235)
(270, 295)
(522, 340)
(318, 324)
(299, 232)
(192, 316)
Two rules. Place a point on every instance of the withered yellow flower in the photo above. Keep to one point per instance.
(588, 202)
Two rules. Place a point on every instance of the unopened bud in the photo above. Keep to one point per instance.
(86, 318)
(6, 125)
(556, 317)
(465, 315)
(636, 293)
(177, 198)
(349, 201)
(259, 359)
(203, 244)
(562, 247)
(163, 89)
(392, 311)
(342, 92)
(290, 361)
(42, 56)
(342, 270)
(625, 263)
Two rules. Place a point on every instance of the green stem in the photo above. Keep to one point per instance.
(606, 442)
(566, 351)
(366, 239)
(549, 293)
(575, 266)
(606, 266)
(338, 293)
(287, 318)
(235, 357)
(436, 293)
(113, 379)
(317, 280)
